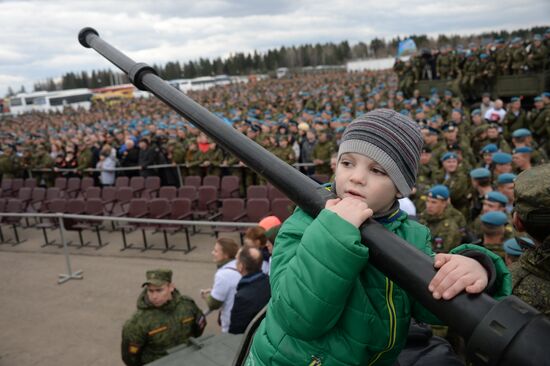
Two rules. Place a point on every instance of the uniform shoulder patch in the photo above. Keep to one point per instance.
(133, 348)
(189, 319)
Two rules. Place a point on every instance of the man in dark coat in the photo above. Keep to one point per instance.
(253, 291)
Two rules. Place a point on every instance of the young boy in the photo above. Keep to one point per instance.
(329, 305)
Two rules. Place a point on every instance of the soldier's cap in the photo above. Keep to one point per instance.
(514, 248)
(439, 191)
(433, 91)
(449, 126)
(495, 196)
(483, 56)
(494, 125)
(506, 178)
(480, 173)
(521, 132)
(516, 40)
(523, 150)
(547, 31)
(532, 194)
(407, 102)
(158, 277)
(538, 99)
(426, 149)
(400, 93)
(502, 158)
(419, 110)
(449, 155)
(514, 99)
(454, 147)
(476, 112)
(494, 218)
(486, 94)
(432, 130)
(545, 95)
(448, 93)
(404, 112)
(537, 37)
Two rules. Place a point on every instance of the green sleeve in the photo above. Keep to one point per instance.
(133, 340)
(504, 278)
(314, 268)
(212, 303)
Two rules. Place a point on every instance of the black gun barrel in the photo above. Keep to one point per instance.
(401, 262)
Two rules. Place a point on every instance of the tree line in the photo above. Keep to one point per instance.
(292, 57)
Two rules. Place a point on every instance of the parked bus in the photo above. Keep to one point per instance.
(200, 83)
(51, 101)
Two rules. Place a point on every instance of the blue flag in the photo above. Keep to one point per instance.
(406, 47)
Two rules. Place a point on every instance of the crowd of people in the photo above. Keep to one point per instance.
(473, 69)
(461, 184)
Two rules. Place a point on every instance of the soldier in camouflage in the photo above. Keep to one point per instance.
(164, 319)
(444, 230)
(531, 274)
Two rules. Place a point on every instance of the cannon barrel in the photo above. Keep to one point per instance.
(494, 329)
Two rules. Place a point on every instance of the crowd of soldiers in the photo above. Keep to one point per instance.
(475, 151)
(473, 69)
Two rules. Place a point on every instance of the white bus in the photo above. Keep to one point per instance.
(200, 83)
(51, 101)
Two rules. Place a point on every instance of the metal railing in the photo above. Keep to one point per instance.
(78, 275)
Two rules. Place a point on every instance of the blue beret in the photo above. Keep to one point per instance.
(538, 99)
(505, 178)
(476, 112)
(433, 91)
(502, 158)
(419, 110)
(404, 112)
(439, 191)
(545, 94)
(547, 31)
(523, 150)
(516, 40)
(483, 56)
(400, 93)
(537, 37)
(449, 155)
(521, 132)
(495, 196)
(514, 99)
(433, 131)
(511, 247)
(480, 173)
(448, 92)
(494, 218)
(407, 101)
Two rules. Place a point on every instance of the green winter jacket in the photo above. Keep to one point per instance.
(329, 306)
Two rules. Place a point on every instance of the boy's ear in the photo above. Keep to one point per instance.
(398, 195)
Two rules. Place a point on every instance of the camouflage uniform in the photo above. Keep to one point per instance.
(512, 122)
(285, 154)
(443, 66)
(459, 185)
(10, 166)
(531, 279)
(503, 59)
(444, 230)
(537, 57)
(531, 274)
(323, 151)
(151, 331)
(42, 160)
(519, 58)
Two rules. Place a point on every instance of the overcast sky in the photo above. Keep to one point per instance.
(38, 39)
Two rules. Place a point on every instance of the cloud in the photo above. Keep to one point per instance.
(39, 38)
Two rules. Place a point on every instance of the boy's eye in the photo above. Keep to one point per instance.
(379, 171)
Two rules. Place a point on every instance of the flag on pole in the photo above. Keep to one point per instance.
(406, 47)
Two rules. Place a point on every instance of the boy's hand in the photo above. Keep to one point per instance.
(350, 209)
(457, 273)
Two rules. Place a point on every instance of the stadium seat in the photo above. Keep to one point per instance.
(168, 193)
(13, 205)
(230, 186)
(282, 208)
(192, 180)
(211, 181)
(256, 191)
(152, 186)
(207, 203)
(232, 210)
(138, 186)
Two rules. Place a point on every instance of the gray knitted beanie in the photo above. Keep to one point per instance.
(389, 138)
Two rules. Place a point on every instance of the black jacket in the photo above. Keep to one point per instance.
(253, 293)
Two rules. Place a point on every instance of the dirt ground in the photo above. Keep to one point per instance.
(80, 322)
